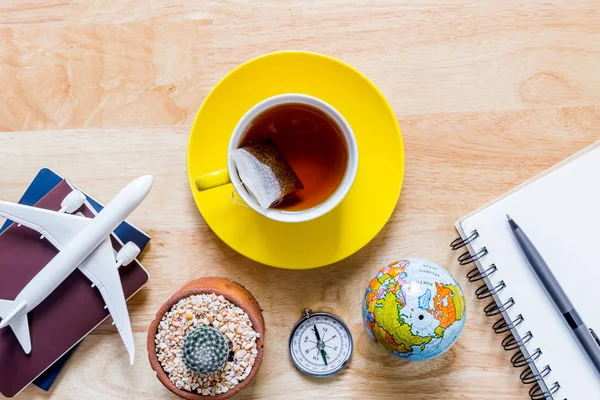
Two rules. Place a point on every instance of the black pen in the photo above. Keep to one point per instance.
(586, 337)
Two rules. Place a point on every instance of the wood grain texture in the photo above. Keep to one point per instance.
(487, 95)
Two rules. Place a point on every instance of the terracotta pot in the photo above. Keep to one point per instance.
(236, 294)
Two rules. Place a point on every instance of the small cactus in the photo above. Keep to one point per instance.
(205, 350)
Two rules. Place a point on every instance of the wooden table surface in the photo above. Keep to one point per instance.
(487, 94)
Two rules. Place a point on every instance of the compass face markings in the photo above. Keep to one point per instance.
(320, 345)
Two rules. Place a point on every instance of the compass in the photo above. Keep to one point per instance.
(320, 344)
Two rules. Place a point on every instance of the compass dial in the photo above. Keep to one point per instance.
(320, 345)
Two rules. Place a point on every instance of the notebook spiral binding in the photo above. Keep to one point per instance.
(530, 375)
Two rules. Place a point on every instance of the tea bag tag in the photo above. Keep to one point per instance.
(235, 196)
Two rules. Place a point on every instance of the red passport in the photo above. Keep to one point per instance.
(65, 317)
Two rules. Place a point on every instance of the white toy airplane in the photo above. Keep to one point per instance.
(83, 243)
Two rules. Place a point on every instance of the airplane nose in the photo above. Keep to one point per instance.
(133, 194)
(138, 189)
(144, 183)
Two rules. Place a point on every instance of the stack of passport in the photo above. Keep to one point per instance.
(22, 255)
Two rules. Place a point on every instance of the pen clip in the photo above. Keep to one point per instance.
(595, 336)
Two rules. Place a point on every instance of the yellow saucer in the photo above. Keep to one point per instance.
(368, 205)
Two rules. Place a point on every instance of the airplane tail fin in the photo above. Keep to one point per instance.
(15, 316)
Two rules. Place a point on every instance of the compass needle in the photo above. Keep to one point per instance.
(324, 354)
(317, 333)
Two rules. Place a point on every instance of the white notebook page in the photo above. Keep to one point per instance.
(560, 212)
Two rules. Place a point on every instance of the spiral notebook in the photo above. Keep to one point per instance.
(560, 211)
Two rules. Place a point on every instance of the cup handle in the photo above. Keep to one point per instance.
(212, 180)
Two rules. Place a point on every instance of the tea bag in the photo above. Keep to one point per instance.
(265, 173)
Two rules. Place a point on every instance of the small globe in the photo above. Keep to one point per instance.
(414, 308)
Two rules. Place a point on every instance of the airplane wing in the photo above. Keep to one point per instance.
(101, 268)
(58, 228)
